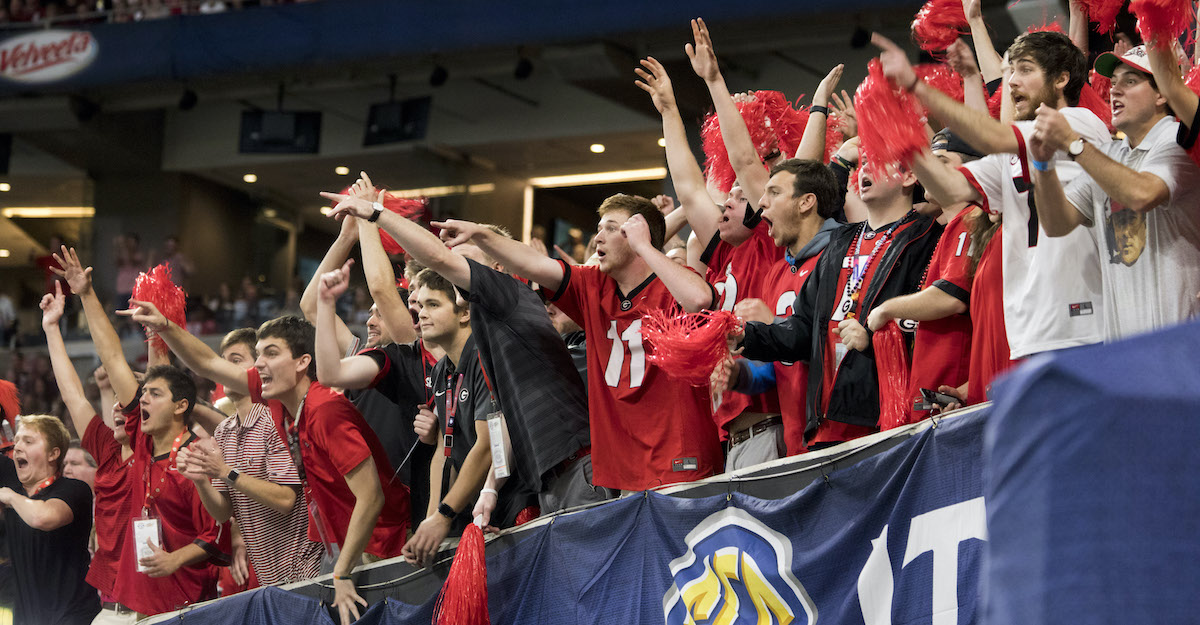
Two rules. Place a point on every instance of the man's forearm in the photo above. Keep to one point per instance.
(977, 128)
(42, 515)
(521, 259)
(429, 250)
(381, 282)
(946, 185)
(203, 360)
(218, 505)
(1055, 213)
(688, 288)
(108, 348)
(189, 554)
(926, 305)
(701, 213)
(278, 497)
(328, 352)
(335, 257)
(69, 386)
(743, 157)
(465, 489)
(1127, 187)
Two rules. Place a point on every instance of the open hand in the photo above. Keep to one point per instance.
(702, 55)
(78, 278)
(656, 82)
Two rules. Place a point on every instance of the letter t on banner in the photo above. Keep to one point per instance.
(940, 531)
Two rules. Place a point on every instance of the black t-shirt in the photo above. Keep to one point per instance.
(472, 403)
(50, 567)
(390, 403)
(536, 381)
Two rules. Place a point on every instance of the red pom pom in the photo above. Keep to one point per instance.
(891, 122)
(1162, 21)
(941, 77)
(1094, 97)
(157, 288)
(938, 24)
(10, 403)
(1103, 12)
(1046, 27)
(463, 600)
(526, 515)
(891, 364)
(688, 346)
(994, 102)
(774, 126)
(408, 208)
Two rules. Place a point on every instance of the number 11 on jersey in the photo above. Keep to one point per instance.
(630, 339)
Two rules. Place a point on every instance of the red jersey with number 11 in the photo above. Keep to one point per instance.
(647, 429)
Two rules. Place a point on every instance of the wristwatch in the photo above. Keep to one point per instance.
(1075, 149)
(378, 211)
(233, 476)
(446, 511)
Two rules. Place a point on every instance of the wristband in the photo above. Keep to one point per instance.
(446, 511)
(378, 211)
(342, 577)
(1042, 165)
(817, 108)
(489, 490)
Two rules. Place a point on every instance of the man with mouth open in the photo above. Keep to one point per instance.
(1052, 296)
(354, 507)
(646, 429)
(156, 417)
(47, 520)
(863, 265)
(1139, 197)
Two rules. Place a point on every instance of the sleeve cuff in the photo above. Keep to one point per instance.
(215, 555)
(955, 291)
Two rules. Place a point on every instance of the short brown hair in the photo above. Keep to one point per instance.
(431, 279)
(638, 205)
(299, 335)
(812, 177)
(243, 336)
(1055, 54)
(55, 433)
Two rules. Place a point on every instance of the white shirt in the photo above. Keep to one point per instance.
(1052, 286)
(1150, 261)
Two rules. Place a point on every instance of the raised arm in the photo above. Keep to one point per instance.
(516, 257)
(191, 350)
(381, 282)
(977, 128)
(353, 372)
(1170, 83)
(685, 285)
(942, 182)
(1078, 27)
(812, 144)
(686, 175)
(337, 254)
(69, 386)
(108, 344)
(985, 51)
(744, 159)
(960, 59)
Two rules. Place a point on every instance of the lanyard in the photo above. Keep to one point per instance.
(451, 409)
(491, 391)
(149, 499)
(293, 439)
(43, 485)
(857, 275)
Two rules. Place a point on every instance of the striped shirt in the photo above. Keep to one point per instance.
(277, 545)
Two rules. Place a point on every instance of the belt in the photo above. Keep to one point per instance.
(736, 438)
(562, 467)
(115, 607)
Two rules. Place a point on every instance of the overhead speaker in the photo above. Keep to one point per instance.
(392, 122)
(280, 132)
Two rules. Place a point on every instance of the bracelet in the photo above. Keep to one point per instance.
(489, 490)
(817, 108)
(342, 577)
(446, 511)
(1042, 165)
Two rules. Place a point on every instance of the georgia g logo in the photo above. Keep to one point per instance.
(736, 571)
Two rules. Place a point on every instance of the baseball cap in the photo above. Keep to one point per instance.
(1136, 58)
(950, 142)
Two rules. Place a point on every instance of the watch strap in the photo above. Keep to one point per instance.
(446, 511)
(233, 476)
(378, 211)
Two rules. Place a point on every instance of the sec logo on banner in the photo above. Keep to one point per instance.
(736, 570)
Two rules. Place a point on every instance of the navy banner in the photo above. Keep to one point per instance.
(895, 538)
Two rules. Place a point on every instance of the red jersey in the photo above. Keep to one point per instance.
(647, 429)
(989, 340)
(157, 485)
(739, 273)
(856, 268)
(112, 503)
(334, 439)
(783, 283)
(942, 347)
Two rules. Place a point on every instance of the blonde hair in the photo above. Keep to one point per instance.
(55, 433)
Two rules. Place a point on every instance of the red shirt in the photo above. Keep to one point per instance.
(334, 439)
(989, 340)
(112, 508)
(942, 347)
(784, 281)
(183, 521)
(739, 273)
(864, 264)
(647, 429)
